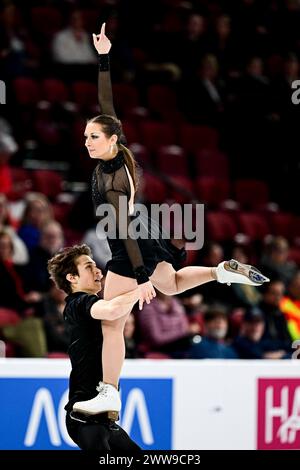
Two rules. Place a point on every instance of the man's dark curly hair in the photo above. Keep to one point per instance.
(63, 263)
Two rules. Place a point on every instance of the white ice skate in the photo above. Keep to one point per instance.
(235, 272)
(107, 401)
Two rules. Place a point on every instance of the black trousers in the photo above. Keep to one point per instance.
(101, 436)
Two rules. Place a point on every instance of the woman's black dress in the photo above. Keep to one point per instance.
(134, 258)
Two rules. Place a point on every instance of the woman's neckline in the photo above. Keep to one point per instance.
(114, 164)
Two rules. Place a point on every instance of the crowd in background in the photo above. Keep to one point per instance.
(204, 90)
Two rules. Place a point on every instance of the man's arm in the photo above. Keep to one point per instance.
(115, 308)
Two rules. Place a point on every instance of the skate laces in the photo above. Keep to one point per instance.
(100, 387)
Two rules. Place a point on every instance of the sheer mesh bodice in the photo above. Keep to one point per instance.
(110, 178)
(109, 182)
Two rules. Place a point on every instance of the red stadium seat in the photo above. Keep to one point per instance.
(78, 139)
(162, 101)
(172, 160)
(221, 226)
(156, 134)
(211, 162)
(281, 224)
(47, 132)
(54, 90)
(21, 183)
(296, 229)
(57, 355)
(212, 191)
(26, 90)
(85, 94)
(181, 189)
(8, 317)
(125, 98)
(47, 182)
(254, 225)
(130, 132)
(294, 255)
(251, 194)
(141, 154)
(61, 212)
(46, 20)
(153, 189)
(192, 137)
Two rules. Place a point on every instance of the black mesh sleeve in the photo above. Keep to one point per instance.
(105, 94)
(131, 245)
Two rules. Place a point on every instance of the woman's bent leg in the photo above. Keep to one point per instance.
(113, 349)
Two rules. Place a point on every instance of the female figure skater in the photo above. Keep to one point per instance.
(146, 263)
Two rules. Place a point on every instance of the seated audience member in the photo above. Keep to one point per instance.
(275, 261)
(250, 345)
(212, 345)
(37, 212)
(245, 296)
(290, 306)
(276, 328)
(53, 306)
(13, 295)
(51, 241)
(129, 333)
(20, 253)
(164, 326)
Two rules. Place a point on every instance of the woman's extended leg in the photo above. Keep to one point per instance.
(171, 282)
(113, 349)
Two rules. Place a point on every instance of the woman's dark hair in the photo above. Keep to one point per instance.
(111, 125)
(65, 262)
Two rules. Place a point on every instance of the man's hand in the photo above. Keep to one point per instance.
(101, 42)
(147, 293)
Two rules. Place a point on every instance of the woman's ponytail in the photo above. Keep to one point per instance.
(130, 162)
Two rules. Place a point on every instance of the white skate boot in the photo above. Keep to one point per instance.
(235, 272)
(107, 401)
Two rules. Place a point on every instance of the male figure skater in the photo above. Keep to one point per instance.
(74, 271)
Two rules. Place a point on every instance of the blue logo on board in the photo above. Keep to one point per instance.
(33, 415)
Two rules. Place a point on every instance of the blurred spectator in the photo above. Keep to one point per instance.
(13, 295)
(20, 253)
(8, 147)
(99, 246)
(29, 337)
(13, 38)
(56, 334)
(201, 99)
(246, 296)
(51, 241)
(164, 326)
(36, 213)
(123, 66)
(213, 292)
(193, 304)
(275, 263)
(212, 344)
(222, 44)
(250, 345)
(290, 306)
(129, 335)
(193, 44)
(275, 321)
(73, 45)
